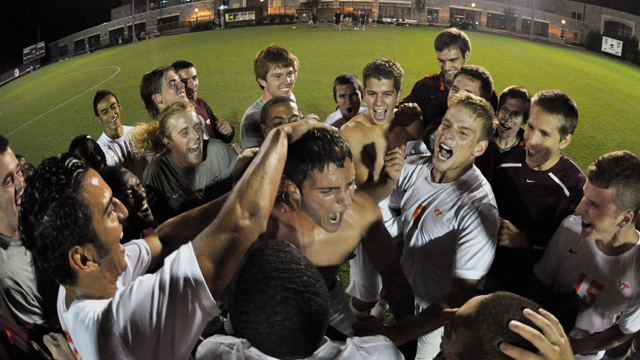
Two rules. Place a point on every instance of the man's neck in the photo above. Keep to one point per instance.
(9, 230)
(90, 288)
(266, 96)
(623, 241)
(116, 133)
(449, 176)
(505, 143)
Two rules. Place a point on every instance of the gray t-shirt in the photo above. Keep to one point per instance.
(19, 285)
(173, 190)
(250, 133)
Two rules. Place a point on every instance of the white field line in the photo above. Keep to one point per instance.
(68, 101)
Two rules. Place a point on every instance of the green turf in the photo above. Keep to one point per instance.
(605, 89)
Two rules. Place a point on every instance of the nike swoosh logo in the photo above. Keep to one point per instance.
(572, 251)
(530, 181)
(176, 195)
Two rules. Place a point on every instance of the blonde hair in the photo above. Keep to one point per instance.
(146, 138)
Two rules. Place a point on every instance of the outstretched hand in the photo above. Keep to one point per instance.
(553, 345)
(393, 162)
(299, 128)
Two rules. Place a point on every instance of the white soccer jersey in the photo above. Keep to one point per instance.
(609, 285)
(449, 230)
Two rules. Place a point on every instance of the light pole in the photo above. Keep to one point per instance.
(196, 14)
(562, 32)
(473, 6)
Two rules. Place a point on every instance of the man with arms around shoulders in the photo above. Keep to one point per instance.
(276, 70)
(187, 171)
(595, 254)
(448, 222)
(536, 188)
(214, 128)
(348, 94)
(108, 310)
(513, 112)
(114, 141)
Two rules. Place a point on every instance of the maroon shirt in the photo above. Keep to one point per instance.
(430, 93)
(203, 109)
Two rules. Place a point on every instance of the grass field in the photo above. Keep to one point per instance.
(41, 114)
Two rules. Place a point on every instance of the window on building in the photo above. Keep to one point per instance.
(576, 15)
(616, 28)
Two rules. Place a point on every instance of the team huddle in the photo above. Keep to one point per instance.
(454, 206)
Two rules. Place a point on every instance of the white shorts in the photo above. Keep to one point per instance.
(365, 282)
(341, 316)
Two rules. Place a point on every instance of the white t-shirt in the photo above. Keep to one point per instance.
(609, 285)
(155, 316)
(337, 115)
(449, 230)
(223, 347)
(118, 152)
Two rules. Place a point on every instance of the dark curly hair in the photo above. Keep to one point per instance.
(315, 151)
(54, 216)
(280, 302)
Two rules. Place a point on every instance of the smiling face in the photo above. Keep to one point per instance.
(109, 114)
(107, 213)
(281, 114)
(348, 99)
(10, 193)
(327, 195)
(189, 78)
(600, 216)
(542, 140)
(464, 83)
(380, 96)
(510, 118)
(450, 60)
(173, 90)
(456, 145)
(185, 139)
(131, 193)
(279, 82)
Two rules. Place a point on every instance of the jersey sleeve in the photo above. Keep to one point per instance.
(630, 318)
(166, 310)
(549, 265)
(477, 239)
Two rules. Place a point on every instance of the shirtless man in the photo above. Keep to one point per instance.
(320, 212)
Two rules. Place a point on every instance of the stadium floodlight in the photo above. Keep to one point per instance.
(196, 14)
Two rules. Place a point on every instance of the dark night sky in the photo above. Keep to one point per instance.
(59, 18)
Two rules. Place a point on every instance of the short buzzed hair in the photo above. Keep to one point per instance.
(479, 109)
(383, 69)
(558, 104)
(273, 57)
(280, 303)
(181, 65)
(150, 85)
(620, 171)
(491, 326)
(264, 113)
(452, 37)
(518, 93)
(346, 79)
(477, 73)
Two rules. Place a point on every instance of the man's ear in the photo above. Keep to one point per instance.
(262, 82)
(263, 129)
(480, 148)
(79, 260)
(449, 314)
(98, 119)
(627, 218)
(167, 143)
(566, 141)
(157, 98)
(291, 189)
(467, 56)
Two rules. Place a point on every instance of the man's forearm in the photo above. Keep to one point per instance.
(380, 189)
(605, 340)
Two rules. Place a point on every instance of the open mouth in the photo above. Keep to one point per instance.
(444, 152)
(144, 210)
(379, 115)
(335, 218)
(505, 126)
(113, 121)
(586, 224)
(531, 153)
(194, 150)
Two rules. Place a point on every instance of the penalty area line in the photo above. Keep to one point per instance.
(68, 101)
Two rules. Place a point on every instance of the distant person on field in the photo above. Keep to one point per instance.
(513, 112)
(187, 171)
(338, 20)
(281, 310)
(214, 128)
(374, 18)
(160, 88)
(115, 141)
(348, 94)
(536, 188)
(276, 70)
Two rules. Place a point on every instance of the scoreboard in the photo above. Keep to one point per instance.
(33, 52)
